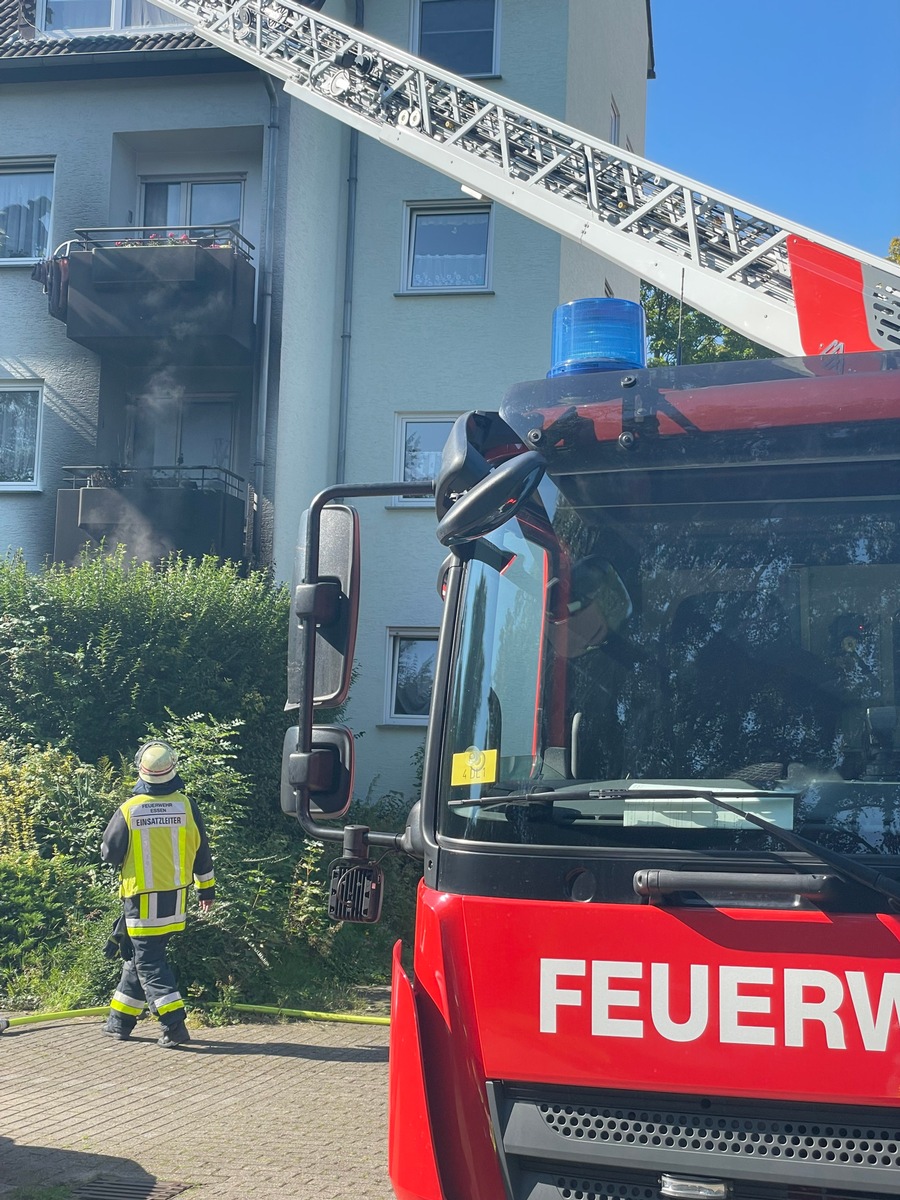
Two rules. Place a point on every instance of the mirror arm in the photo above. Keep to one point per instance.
(318, 602)
(365, 837)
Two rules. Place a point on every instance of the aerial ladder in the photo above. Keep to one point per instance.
(782, 285)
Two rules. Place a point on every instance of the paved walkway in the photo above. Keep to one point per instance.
(292, 1111)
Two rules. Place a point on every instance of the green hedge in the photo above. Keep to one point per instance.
(95, 659)
(90, 656)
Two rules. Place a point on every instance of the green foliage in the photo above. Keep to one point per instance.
(55, 1191)
(894, 250)
(702, 339)
(45, 906)
(93, 661)
(92, 655)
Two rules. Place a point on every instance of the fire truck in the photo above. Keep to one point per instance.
(657, 948)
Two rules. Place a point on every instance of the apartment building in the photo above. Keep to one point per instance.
(217, 300)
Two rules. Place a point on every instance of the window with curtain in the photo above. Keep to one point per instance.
(19, 426)
(26, 193)
(447, 248)
(80, 16)
(459, 35)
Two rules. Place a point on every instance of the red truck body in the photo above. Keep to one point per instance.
(555, 1032)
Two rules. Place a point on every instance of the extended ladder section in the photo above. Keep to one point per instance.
(784, 286)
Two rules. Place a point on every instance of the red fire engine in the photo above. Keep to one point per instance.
(657, 943)
(656, 948)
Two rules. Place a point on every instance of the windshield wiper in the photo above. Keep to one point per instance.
(535, 796)
(845, 866)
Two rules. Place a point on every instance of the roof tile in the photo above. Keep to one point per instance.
(17, 38)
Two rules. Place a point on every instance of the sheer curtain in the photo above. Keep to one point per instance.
(450, 250)
(24, 214)
(140, 14)
(18, 435)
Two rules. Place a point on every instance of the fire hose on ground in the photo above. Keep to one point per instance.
(264, 1009)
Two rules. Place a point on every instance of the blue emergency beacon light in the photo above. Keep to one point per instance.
(597, 335)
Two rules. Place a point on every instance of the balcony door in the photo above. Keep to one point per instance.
(200, 201)
(169, 432)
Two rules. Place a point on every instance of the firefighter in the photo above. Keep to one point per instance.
(158, 841)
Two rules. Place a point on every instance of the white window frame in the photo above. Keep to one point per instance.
(116, 25)
(36, 166)
(415, 208)
(416, 35)
(403, 421)
(29, 385)
(185, 182)
(394, 636)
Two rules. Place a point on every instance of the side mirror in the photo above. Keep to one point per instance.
(493, 500)
(327, 770)
(327, 593)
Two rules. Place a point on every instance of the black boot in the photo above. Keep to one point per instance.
(176, 1035)
(115, 1028)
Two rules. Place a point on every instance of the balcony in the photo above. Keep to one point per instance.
(184, 292)
(152, 511)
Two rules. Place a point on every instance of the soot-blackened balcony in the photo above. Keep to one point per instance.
(152, 511)
(187, 292)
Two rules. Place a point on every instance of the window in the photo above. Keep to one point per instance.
(459, 35)
(20, 410)
(411, 659)
(82, 16)
(174, 431)
(615, 123)
(447, 248)
(420, 443)
(26, 190)
(200, 201)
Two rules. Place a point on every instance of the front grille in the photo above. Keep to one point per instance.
(875, 1146)
(580, 1145)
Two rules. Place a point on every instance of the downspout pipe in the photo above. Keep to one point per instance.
(267, 257)
(349, 255)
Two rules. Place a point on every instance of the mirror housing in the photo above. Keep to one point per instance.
(493, 500)
(327, 593)
(327, 771)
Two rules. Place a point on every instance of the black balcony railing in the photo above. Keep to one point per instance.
(194, 478)
(212, 237)
(152, 511)
(185, 291)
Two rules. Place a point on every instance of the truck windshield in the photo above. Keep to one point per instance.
(735, 625)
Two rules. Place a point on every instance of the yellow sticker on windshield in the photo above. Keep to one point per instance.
(473, 766)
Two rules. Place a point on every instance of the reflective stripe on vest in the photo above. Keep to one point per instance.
(162, 845)
(148, 923)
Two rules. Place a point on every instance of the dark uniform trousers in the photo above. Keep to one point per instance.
(147, 977)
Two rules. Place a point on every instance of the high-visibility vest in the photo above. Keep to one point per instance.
(162, 844)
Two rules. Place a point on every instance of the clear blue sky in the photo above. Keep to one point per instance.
(791, 105)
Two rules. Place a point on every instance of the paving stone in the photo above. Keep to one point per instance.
(293, 1111)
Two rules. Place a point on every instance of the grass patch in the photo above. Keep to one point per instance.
(56, 1191)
